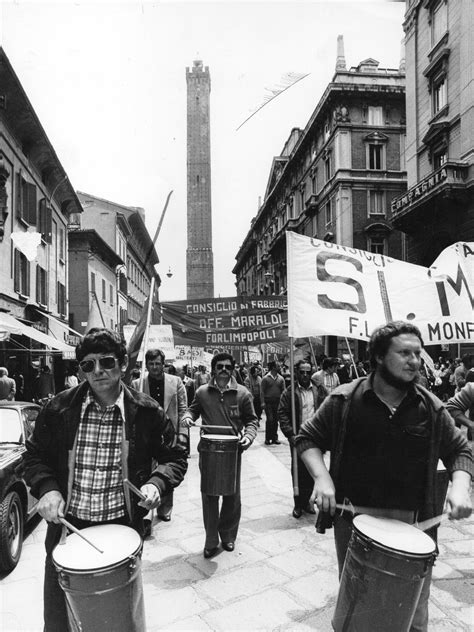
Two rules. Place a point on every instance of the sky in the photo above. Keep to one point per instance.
(108, 83)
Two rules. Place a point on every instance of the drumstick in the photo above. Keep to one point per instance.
(77, 532)
(134, 489)
(431, 522)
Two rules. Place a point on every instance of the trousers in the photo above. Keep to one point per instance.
(222, 519)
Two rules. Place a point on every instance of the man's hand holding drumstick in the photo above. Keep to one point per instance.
(149, 494)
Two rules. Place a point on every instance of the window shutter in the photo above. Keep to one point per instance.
(16, 270)
(31, 205)
(19, 188)
(48, 225)
(38, 284)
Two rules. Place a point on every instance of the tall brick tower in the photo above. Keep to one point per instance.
(199, 258)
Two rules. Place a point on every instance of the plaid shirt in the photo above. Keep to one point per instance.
(97, 489)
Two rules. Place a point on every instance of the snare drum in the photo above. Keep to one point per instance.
(386, 564)
(103, 590)
(218, 460)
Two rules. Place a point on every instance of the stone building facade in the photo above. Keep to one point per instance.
(120, 284)
(199, 256)
(438, 208)
(36, 201)
(335, 179)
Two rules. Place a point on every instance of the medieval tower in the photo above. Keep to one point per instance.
(199, 258)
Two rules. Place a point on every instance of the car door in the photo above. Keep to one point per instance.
(29, 415)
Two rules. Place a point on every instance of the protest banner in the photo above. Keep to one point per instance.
(159, 337)
(194, 356)
(342, 291)
(228, 322)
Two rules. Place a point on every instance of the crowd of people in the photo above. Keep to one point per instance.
(381, 421)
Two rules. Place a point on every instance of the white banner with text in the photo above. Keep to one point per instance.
(337, 290)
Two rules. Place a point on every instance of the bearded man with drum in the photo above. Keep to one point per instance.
(227, 407)
(385, 434)
(86, 441)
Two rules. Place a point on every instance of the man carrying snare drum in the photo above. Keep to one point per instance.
(386, 434)
(87, 440)
(225, 404)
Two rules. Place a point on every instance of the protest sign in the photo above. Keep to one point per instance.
(342, 291)
(159, 337)
(228, 322)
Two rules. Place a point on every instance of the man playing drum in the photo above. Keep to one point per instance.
(385, 434)
(228, 408)
(86, 441)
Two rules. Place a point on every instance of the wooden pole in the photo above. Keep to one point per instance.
(296, 490)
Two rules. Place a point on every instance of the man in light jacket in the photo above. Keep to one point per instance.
(168, 390)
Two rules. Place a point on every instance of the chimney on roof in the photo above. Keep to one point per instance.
(402, 67)
(340, 60)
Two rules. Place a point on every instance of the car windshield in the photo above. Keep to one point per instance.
(10, 426)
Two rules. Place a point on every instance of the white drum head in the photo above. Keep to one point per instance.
(116, 541)
(395, 534)
(219, 437)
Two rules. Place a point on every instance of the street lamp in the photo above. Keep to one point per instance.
(169, 274)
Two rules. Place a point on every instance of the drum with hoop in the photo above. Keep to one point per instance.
(386, 563)
(219, 455)
(103, 590)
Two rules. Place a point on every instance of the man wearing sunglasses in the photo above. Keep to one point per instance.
(223, 402)
(87, 440)
(308, 397)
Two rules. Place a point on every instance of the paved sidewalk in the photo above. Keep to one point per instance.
(282, 575)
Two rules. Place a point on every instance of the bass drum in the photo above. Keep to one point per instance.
(103, 590)
(386, 563)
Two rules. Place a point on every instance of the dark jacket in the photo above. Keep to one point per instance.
(328, 427)
(50, 450)
(284, 409)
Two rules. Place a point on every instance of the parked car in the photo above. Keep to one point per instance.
(17, 506)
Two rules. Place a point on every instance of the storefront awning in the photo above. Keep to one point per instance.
(12, 325)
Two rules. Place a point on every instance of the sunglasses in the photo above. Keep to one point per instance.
(106, 363)
(222, 367)
(305, 372)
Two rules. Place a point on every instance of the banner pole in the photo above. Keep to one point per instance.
(352, 357)
(294, 453)
(147, 332)
(312, 353)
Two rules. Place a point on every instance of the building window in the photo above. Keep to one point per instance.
(328, 212)
(61, 244)
(111, 294)
(315, 226)
(45, 218)
(375, 115)
(375, 161)
(439, 21)
(93, 282)
(376, 203)
(376, 245)
(440, 94)
(26, 201)
(314, 182)
(21, 273)
(302, 197)
(41, 286)
(62, 299)
(327, 168)
(104, 291)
